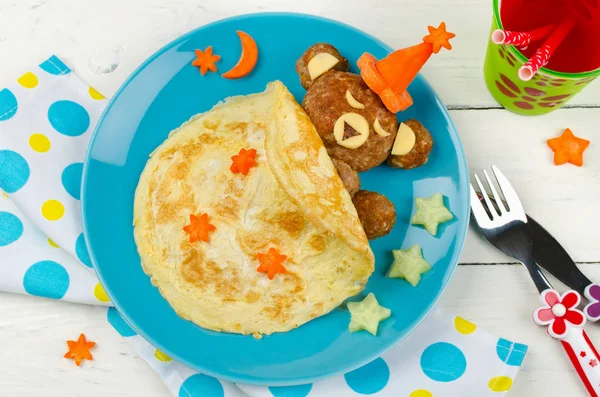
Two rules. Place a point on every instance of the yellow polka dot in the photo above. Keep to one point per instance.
(53, 210)
(52, 243)
(39, 142)
(421, 393)
(463, 326)
(5, 195)
(500, 383)
(100, 294)
(28, 80)
(95, 94)
(162, 357)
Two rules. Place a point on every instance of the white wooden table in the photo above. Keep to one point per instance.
(487, 288)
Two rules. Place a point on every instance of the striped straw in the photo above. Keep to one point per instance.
(543, 54)
(521, 39)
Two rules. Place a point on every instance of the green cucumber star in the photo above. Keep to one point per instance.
(431, 212)
(367, 314)
(409, 265)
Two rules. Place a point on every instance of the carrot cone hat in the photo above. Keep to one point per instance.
(390, 77)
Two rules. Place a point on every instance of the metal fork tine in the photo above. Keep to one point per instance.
(499, 207)
(508, 231)
(477, 207)
(486, 198)
(511, 197)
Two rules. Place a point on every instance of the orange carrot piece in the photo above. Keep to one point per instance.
(406, 100)
(365, 59)
(271, 263)
(247, 60)
(568, 148)
(370, 74)
(395, 102)
(400, 68)
(80, 349)
(199, 228)
(243, 161)
(439, 37)
(205, 60)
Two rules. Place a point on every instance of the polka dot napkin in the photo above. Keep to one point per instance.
(46, 119)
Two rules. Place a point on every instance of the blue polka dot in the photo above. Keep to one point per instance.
(115, 319)
(369, 379)
(82, 251)
(8, 104)
(47, 279)
(443, 362)
(54, 66)
(71, 179)
(511, 353)
(68, 118)
(200, 385)
(11, 228)
(291, 391)
(14, 171)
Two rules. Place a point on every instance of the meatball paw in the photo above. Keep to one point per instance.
(376, 213)
(302, 65)
(412, 146)
(348, 176)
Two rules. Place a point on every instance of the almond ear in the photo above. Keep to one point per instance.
(320, 64)
(405, 140)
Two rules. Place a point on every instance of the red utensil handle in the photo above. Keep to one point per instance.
(565, 323)
(585, 359)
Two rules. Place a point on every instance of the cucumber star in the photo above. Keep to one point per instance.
(409, 265)
(367, 314)
(431, 212)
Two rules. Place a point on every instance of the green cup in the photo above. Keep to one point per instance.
(548, 90)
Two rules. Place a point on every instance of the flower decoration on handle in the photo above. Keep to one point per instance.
(559, 313)
(592, 310)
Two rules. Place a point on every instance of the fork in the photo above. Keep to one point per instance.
(505, 226)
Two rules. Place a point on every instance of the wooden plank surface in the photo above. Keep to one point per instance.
(563, 199)
(88, 32)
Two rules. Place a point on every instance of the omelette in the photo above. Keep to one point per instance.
(290, 202)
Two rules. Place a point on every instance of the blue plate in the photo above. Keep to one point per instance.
(165, 92)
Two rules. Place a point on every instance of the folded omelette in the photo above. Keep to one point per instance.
(292, 201)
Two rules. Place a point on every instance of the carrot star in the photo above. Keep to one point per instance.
(271, 263)
(568, 148)
(79, 350)
(439, 37)
(205, 60)
(199, 228)
(243, 161)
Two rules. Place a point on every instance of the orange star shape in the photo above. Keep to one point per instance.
(205, 60)
(271, 263)
(439, 37)
(199, 228)
(80, 349)
(243, 161)
(568, 148)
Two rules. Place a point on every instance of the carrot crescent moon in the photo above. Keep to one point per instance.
(247, 59)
